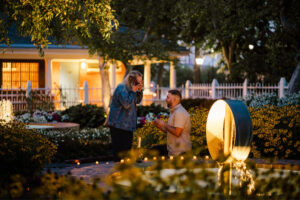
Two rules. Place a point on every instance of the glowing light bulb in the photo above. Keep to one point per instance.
(145, 159)
(194, 157)
(107, 163)
(78, 163)
(122, 161)
(206, 157)
(181, 158)
(97, 162)
(171, 157)
(128, 159)
(163, 158)
(154, 158)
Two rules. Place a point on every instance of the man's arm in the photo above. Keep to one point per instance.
(167, 128)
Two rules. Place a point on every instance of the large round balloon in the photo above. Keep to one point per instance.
(229, 131)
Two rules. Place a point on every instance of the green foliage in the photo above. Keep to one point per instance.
(62, 20)
(183, 73)
(155, 109)
(198, 130)
(276, 132)
(150, 136)
(230, 27)
(164, 180)
(199, 103)
(89, 115)
(85, 143)
(189, 179)
(23, 151)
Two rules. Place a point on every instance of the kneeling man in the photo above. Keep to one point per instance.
(178, 127)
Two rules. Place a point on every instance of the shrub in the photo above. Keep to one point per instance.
(80, 144)
(276, 132)
(198, 130)
(88, 116)
(151, 135)
(23, 151)
(200, 103)
(41, 117)
(272, 99)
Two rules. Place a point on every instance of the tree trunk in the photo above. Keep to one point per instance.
(294, 28)
(105, 86)
(294, 84)
(197, 74)
(160, 74)
(227, 51)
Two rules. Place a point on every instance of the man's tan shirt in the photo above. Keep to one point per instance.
(180, 118)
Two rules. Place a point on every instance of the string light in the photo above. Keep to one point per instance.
(206, 157)
(154, 158)
(181, 158)
(107, 163)
(78, 163)
(171, 157)
(97, 162)
(128, 159)
(145, 159)
(194, 157)
(163, 158)
(122, 161)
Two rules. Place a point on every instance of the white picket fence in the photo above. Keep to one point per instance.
(215, 90)
(66, 97)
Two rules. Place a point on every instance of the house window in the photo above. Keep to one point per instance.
(15, 74)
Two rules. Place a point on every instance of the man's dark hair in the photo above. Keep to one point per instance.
(176, 93)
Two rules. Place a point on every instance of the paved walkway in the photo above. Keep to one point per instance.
(86, 171)
(89, 171)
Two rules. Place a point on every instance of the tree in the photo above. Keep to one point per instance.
(145, 31)
(64, 21)
(230, 26)
(290, 18)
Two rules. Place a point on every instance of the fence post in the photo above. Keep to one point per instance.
(214, 85)
(245, 88)
(86, 93)
(187, 89)
(28, 89)
(281, 85)
(29, 95)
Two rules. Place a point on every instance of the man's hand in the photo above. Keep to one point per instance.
(159, 124)
(167, 128)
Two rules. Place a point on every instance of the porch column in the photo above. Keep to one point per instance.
(147, 77)
(112, 77)
(49, 74)
(172, 76)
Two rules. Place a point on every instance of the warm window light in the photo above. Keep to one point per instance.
(83, 65)
(251, 46)
(199, 61)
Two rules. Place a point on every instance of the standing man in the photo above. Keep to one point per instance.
(178, 127)
(123, 114)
